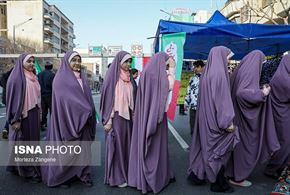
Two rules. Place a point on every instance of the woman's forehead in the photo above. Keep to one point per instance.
(77, 57)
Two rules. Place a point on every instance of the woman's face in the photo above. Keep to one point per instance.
(76, 63)
(29, 64)
(127, 64)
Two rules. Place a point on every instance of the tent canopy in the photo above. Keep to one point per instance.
(218, 18)
(240, 38)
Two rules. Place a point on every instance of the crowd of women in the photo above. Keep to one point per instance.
(238, 124)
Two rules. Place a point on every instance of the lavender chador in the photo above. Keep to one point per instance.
(30, 125)
(149, 167)
(72, 119)
(254, 118)
(211, 144)
(280, 97)
(118, 139)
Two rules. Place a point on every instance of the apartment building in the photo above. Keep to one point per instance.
(39, 24)
(232, 10)
(3, 22)
(257, 11)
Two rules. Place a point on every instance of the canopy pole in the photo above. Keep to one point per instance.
(160, 43)
(277, 51)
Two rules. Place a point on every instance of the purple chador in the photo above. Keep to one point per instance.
(211, 144)
(72, 119)
(149, 167)
(253, 116)
(20, 85)
(280, 97)
(118, 139)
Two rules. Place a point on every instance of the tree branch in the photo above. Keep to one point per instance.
(267, 16)
(257, 12)
(284, 8)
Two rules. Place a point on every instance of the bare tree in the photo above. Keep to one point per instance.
(21, 46)
(270, 14)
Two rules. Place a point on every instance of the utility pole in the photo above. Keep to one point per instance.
(14, 27)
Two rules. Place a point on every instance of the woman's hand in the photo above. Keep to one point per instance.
(172, 63)
(16, 126)
(266, 90)
(231, 128)
(108, 127)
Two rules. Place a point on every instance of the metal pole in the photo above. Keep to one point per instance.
(14, 38)
(14, 27)
(167, 14)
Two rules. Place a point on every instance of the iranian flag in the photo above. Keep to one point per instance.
(172, 44)
(37, 66)
(139, 62)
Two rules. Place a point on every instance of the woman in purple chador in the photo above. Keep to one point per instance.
(149, 167)
(254, 119)
(23, 104)
(72, 119)
(116, 110)
(214, 135)
(280, 97)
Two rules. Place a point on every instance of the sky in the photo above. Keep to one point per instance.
(123, 22)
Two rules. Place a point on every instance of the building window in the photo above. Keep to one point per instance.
(71, 29)
(55, 39)
(64, 43)
(2, 50)
(56, 17)
(70, 39)
(55, 28)
(55, 50)
(2, 11)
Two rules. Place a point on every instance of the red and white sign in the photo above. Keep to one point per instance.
(137, 50)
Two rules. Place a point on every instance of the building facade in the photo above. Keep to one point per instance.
(3, 21)
(232, 10)
(39, 25)
(257, 11)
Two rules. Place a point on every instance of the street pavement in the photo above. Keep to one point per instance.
(11, 184)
